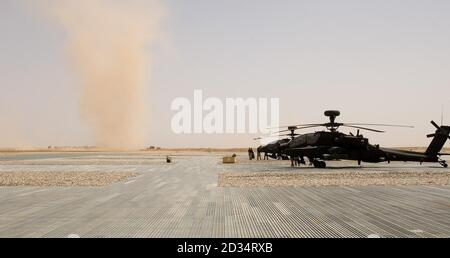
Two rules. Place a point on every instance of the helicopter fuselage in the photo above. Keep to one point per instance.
(325, 145)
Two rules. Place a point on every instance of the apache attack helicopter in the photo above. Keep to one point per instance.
(334, 145)
(273, 148)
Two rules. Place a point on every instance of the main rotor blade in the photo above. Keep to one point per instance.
(298, 128)
(309, 125)
(285, 126)
(364, 128)
(358, 124)
(263, 137)
(289, 134)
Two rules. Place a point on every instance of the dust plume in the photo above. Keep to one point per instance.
(108, 43)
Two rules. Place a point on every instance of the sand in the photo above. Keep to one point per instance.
(267, 179)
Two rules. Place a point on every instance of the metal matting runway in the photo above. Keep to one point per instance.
(182, 200)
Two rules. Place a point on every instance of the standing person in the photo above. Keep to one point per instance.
(258, 154)
(250, 153)
(297, 161)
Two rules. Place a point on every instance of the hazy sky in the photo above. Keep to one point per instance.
(376, 61)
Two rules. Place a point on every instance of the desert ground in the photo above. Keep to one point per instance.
(98, 193)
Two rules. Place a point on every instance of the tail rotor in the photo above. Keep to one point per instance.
(440, 136)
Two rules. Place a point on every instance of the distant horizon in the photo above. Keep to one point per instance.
(157, 148)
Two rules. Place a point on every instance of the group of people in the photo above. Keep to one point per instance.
(251, 154)
(295, 161)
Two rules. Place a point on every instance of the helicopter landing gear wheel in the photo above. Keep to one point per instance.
(316, 163)
(319, 164)
(443, 163)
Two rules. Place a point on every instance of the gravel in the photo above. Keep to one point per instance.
(63, 178)
(236, 179)
(80, 162)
